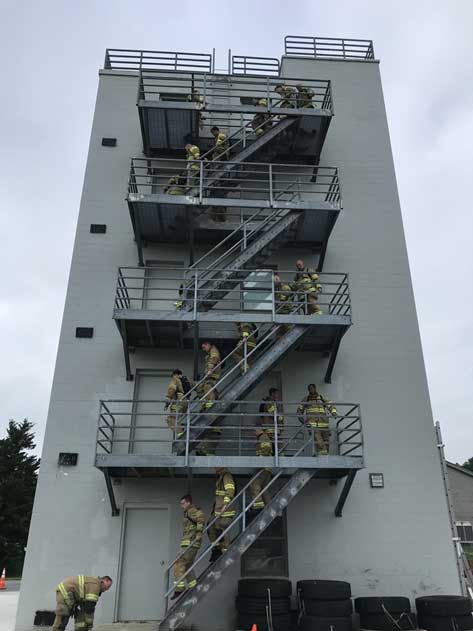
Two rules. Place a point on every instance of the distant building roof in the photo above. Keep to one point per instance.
(457, 467)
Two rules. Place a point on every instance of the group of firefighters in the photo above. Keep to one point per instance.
(299, 96)
(314, 410)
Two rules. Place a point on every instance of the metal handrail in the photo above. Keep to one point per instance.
(129, 59)
(243, 64)
(328, 47)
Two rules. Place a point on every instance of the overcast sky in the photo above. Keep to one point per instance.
(51, 54)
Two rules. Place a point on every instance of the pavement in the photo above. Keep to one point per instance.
(8, 605)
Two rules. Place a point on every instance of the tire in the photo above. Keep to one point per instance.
(328, 608)
(244, 604)
(280, 623)
(443, 605)
(374, 605)
(324, 590)
(446, 623)
(381, 622)
(317, 623)
(258, 587)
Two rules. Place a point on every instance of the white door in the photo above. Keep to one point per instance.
(144, 558)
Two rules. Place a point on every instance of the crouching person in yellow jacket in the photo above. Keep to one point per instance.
(78, 596)
(192, 532)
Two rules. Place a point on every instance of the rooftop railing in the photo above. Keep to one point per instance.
(128, 59)
(162, 428)
(246, 291)
(254, 65)
(268, 183)
(231, 90)
(328, 47)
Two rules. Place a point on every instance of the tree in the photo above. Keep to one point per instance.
(468, 464)
(18, 476)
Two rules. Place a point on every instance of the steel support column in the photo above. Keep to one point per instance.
(111, 494)
(344, 494)
(333, 357)
(129, 375)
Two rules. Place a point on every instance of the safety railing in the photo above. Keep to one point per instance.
(245, 290)
(218, 178)
(230, 90)
(242, 64)
(161, 427)
(128, 59)
(328, 47)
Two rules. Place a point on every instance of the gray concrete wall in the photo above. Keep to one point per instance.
(394, 540)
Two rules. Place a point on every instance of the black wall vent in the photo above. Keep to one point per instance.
(84, 331)
(67, 459)
(109, 142)
(98, 228)
(44, 618)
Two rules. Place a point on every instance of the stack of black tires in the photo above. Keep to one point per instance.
(324, 605)
(444, 613)
(385, 614)
(257, 596)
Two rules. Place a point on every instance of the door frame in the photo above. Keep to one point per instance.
(126, 506)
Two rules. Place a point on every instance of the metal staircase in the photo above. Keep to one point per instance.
(250, 530)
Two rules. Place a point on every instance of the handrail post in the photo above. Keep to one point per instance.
(273, 298)
(188, 426)
(267, 93)
(276, 441)
(245, 355)
(243, 510)
(201, 180)
(244, 131)
(204, 90)
(195, 293)
(271, 185)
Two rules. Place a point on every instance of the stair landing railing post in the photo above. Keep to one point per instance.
(188, 429)
(276, 437)
(201, 180)
(243, 513)
(196, 286)
(273, 298)
(271, 185)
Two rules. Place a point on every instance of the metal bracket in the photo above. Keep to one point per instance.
(344, 494)
(333, 357)
(111, 494)
(126, 351)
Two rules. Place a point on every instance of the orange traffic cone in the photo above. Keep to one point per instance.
(3, 585)
(254, 627)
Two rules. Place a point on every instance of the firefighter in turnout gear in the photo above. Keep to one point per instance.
(283, 293)
(304, 96)
(224, 493)
(77, 596)
(288, 96)
(264, 447)
(210, 436)
(221, 146)
(271, 414)
(193, 529)
(174, 401)
(173, 187)
(196, 97)
(248, 340)
(261, 120)
(314, 410)
(193, 164)
(307, 287)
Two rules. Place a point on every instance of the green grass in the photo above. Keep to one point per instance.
(468, 550)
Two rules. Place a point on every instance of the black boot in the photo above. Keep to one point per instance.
(216, 554)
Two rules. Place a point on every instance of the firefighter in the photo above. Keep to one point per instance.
(192, 533)
(283, 295)
(304, 96)
(314, 410)
(224, 494)
(248, 340)
(261, 120)
(193, 164)
(264, 447)
(179, 302)
(173, 187)
(221, 146)
(210, 436)
(288, 96)
(271, 413)
(307, 285)
(174, 401)
(77, 596)
(196, 97)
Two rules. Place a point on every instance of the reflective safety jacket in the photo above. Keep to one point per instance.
(249, 333)
(193, 154)
(304, 96)
(175, 393)
(221, 142)
(193, 527)
(224, 493)
(288, 95)
(212, 359)
(264, 446)
(173, 187)
(195, 97)
(271, 407)
(79, 590)
(316, 408)
(307, 281)
(261, 102)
